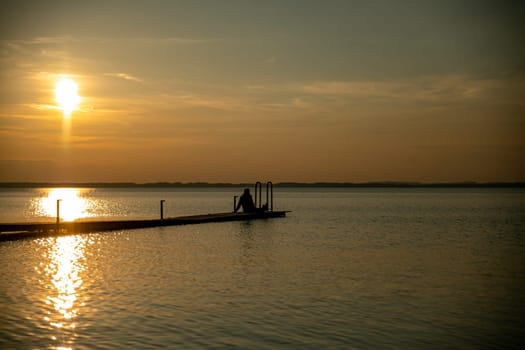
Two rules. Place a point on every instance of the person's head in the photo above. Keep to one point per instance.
(246, 191)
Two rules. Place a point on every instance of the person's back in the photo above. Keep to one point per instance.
(246, 202)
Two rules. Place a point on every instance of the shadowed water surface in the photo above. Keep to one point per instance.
(364, 269)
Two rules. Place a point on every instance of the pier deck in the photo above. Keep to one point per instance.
(16, 231)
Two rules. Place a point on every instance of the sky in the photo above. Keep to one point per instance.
(245, 91)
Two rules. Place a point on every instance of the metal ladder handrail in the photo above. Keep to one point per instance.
(258, 185)
(269, 194)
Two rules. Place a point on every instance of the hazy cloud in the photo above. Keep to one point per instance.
(426, 89)
(124, 76)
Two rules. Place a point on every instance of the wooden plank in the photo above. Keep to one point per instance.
(16, 231)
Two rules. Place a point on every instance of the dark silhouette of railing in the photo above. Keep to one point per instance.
(269, 195)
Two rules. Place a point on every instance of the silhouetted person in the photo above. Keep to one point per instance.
(246, 202)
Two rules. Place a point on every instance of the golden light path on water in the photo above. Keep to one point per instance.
(61, 266)
(63, 260)
(72, 204)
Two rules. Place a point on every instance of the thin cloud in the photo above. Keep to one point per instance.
(433, 88)
(41, 40)
(214, 102)
(124, 76)
(59, 40)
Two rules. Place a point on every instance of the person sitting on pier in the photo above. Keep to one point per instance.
(246, 202)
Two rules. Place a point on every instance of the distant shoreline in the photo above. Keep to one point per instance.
(277, 184)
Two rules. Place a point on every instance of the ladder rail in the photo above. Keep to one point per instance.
(258, 191)
(269, 195)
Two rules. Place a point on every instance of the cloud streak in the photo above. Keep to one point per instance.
(429, 89)
(124, 76)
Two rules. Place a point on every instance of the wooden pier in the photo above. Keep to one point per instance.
(16, 231)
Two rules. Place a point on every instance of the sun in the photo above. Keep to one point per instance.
(66, 95)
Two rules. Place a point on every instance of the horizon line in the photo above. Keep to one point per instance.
(162, 184)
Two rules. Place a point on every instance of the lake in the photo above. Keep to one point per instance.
(347, 268)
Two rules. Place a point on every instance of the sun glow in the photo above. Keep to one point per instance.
(66, 95)
(72, 204)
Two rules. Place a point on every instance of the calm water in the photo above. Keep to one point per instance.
(347, 269)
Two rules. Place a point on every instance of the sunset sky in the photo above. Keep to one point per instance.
(240, 91)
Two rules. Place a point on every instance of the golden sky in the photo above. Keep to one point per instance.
(239, 91)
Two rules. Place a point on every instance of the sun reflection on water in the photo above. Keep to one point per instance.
(65, 261)
(73, 204)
